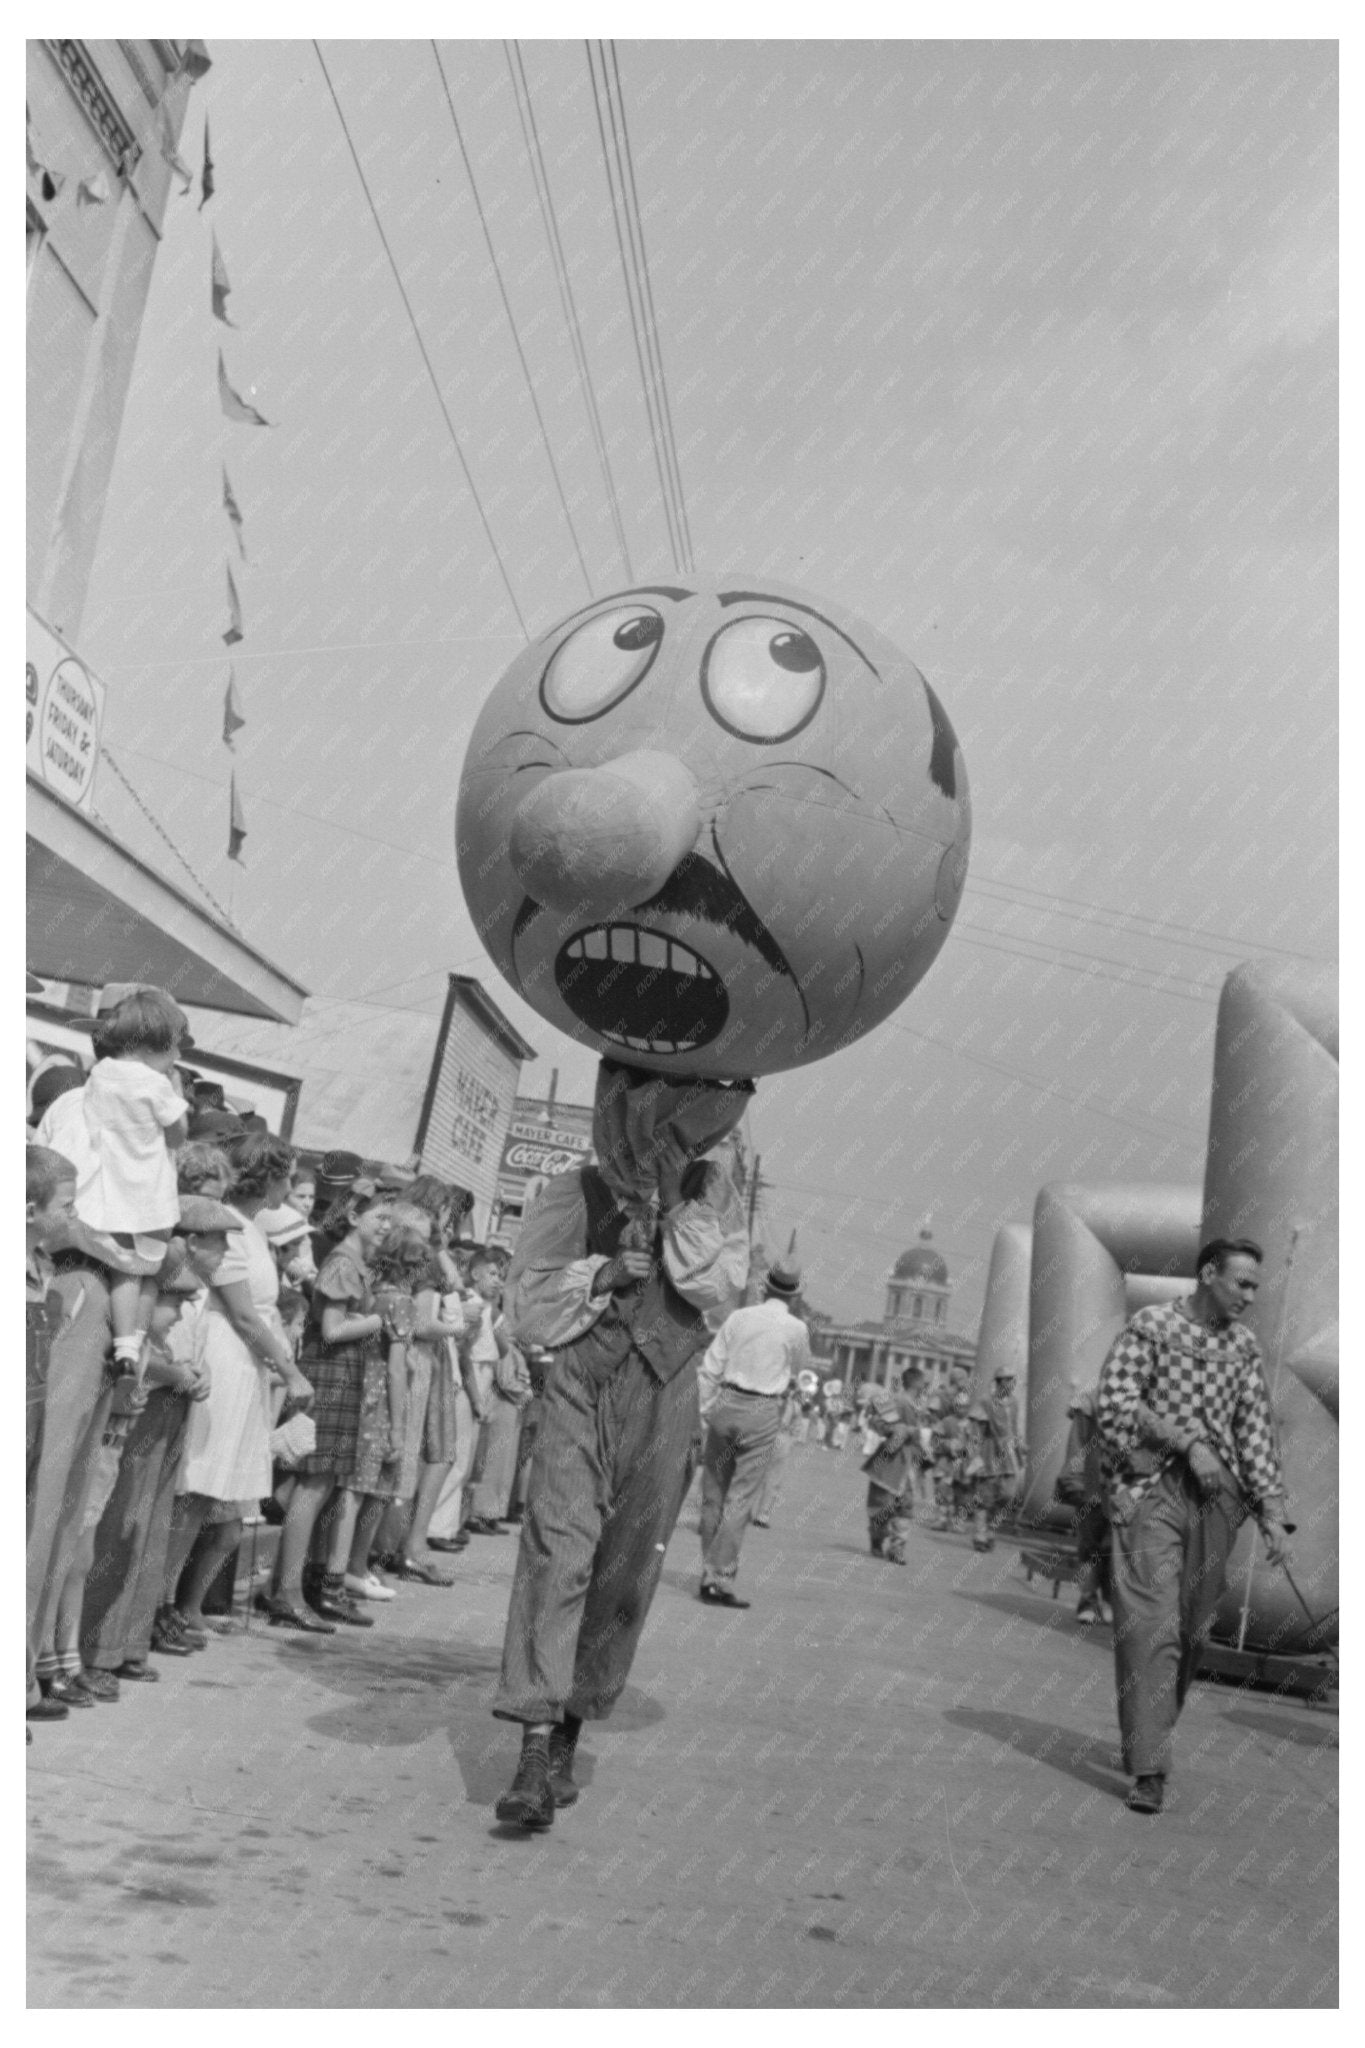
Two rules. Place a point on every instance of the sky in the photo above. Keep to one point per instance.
(1024, 352)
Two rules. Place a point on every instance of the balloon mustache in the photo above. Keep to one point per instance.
(695, 890)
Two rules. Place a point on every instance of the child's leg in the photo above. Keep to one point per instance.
(368, 1518)
(310, 1493)
(342, 1532)
(216, 1545)
(430, 1480)
(187, 1519)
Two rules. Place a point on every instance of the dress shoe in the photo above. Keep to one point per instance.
(712, 1595)
(188, 1632)
(365, 1586)
(418, 1574)
(480, 1525)
(448, 1544)
(47, 1710)
(101, 1686)
(334, 1603)
(139, 1673)
(760, 1522)
(285, 1614)
(528, 1801)
(67, 1689)
(166, 1643)
(562, 1787)
(1147, 1795)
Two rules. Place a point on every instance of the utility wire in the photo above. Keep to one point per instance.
(651, 412)
(540, 178)
(670, 440)
(417, 335)
(162, 833)
(1195, 992)
(1150, 1126)
(511, 318)
(1164, 928)
(296, 811)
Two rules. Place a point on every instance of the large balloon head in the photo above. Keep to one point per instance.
(715, 831)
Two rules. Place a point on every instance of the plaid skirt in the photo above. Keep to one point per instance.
(338, 1379)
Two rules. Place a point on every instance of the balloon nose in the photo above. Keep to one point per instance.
(604, 839)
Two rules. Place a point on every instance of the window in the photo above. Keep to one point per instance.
(919, 1307)
(939, 1307)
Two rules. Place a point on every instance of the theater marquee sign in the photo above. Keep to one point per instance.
(64, 711)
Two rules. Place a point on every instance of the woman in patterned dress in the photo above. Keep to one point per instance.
(341, 1341)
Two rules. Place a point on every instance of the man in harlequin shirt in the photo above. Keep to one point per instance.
(1189, 1449)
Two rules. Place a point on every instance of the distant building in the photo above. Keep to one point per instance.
(913, 1329)
(402, 1088)
(545, 1137)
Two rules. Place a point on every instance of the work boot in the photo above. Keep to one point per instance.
(1147, 1795)
(529, 1801)
(563, 1743)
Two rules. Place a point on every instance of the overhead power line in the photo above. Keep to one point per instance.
(511, 319)
(1092, 966)
(163, 834)
(422, 347)
(1086, 912)
(630, 245)
(540, 178)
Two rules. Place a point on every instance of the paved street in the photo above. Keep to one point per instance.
(879, 1787)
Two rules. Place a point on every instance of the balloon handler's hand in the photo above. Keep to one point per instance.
(621, 1275)
(1206, 1470)
(1276, 1535)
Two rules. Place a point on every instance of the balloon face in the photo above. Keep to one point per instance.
(716, 832)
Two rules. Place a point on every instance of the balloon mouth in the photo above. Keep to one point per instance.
(641, 990)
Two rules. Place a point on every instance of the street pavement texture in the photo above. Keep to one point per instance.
(880, 1786)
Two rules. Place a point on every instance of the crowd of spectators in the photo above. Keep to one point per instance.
(222, 1340)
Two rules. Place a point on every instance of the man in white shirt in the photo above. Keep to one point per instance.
(747, 1369)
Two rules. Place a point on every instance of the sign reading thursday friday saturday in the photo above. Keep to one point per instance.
(64, 711)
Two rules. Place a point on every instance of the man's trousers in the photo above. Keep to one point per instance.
(1169, 1568)
(612, 1464)
(78, 1399)
(495, 1464)
(770, 1493)
(739, 1443)
(123, 1589)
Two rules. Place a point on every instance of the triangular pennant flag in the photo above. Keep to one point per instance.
(234, 407)
(233, 510)
(219, 286)
(233, 720)
(206, 178)
(50, 183)
(234, 631)
(94, 191)
(236, 824)
(169, 152)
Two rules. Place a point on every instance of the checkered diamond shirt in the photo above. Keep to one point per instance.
(1168, 1380)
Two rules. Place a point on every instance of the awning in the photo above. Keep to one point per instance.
(98, 914)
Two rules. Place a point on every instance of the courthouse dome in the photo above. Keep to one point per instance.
(921, 1262)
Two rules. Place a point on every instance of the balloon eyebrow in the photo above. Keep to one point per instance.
(646, 590)
(763, 597)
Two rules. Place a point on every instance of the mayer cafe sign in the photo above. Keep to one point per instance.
(536, 1151)
(64, 711)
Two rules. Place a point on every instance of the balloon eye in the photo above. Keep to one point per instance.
(638, 633)
(763, 679)
(600, 663)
